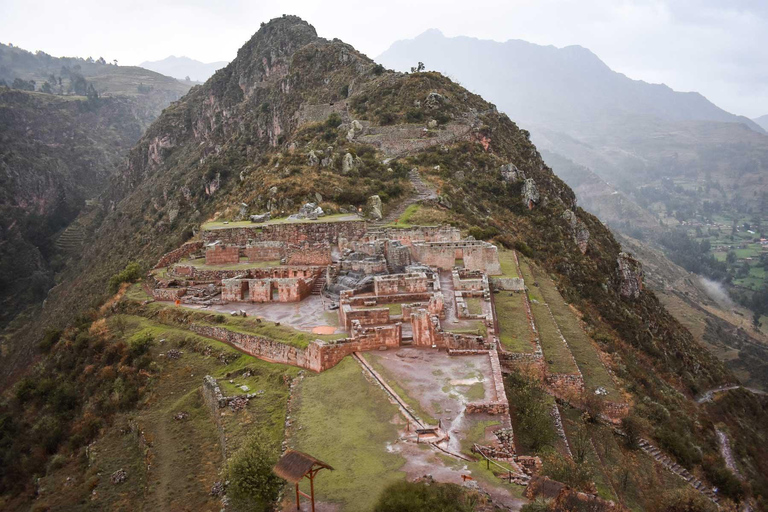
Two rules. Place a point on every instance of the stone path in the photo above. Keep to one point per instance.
(423, 193)
(677, 469)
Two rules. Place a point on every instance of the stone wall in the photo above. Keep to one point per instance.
(368, 265)
(264, 251)
(477, 255)
(366, 317)
(176, 255)
(214, 400)
(290, 289)
(288, 232)
(400, 283)
(309, 254)
(407, 236)
(220, 254)
(168, 293)
(510, 284)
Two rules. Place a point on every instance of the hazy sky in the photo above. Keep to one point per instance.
(716, 47)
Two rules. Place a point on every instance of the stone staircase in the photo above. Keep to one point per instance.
(317, 288)
(423, 193)
(677, 469)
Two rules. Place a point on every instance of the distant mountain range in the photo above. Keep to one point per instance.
(629, 133)
(762, 121)
(183, 67)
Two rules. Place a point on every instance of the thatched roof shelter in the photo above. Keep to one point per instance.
(294, 465)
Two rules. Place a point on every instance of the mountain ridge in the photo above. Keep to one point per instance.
(183, 67)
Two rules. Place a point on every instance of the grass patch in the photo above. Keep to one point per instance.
(243, 265)
(347, 422)
(507, 261)
(474, 327)
(474, 305)
(339, 217)
(514, 328)
(405, 219)
(557, 355)
(584, 352)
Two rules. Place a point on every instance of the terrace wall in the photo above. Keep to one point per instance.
(222, 255)
(289, 232)
(176, 255)
(264, 251)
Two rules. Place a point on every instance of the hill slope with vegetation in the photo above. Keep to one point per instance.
(274, 129)
(65, 127)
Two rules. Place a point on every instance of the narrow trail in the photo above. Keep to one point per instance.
(709, 394)
(423, 193)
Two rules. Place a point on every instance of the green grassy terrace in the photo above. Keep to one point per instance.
(339, 217)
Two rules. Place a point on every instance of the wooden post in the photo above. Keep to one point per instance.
(298, 507)
(487, 463)
(312, 489)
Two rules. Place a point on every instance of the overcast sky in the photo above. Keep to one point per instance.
(716, 47)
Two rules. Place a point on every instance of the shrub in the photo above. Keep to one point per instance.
(523, 248)
(631, 427)
(251, 480)
(483, 233)
(50, 338)
(140, 345)
(420, 497)
(130, 274)
(333, 121)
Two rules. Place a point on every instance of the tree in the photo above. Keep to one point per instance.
(631, 428)
(23, 85)
(78, 84)
(419, 68)
(101, 61)
(187, 78)
(46, 88)
(92, 93)
(580, 445)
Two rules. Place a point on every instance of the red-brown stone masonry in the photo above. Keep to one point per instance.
(290, 233)
(222, 255)
(177, 254)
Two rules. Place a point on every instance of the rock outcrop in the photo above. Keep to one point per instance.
(530, 193)
(579, 230)
(630, 276)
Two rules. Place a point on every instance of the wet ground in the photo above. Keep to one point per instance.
(442, 385)
(311, 314)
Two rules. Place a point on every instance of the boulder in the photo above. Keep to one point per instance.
(510, 173)
(432, 124)
(264, 217)
(434, 100)
(355, 129)
(313, 160)
(374, 208)
(347, 163)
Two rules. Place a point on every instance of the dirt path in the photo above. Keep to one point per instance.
(709, 394)
(423, 193)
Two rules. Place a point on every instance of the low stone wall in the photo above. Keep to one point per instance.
(394, 284)
(366, 317)
(168, 293)
(499, 404)
(510, 284)
(289, 232)
(214, 400)
(176, 255)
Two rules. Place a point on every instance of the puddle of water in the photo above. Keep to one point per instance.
(465, 382)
